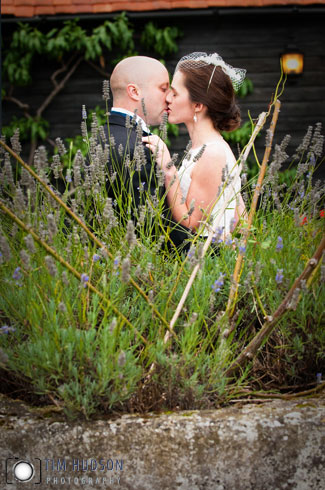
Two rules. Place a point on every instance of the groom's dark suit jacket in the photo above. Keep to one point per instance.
(128, 139)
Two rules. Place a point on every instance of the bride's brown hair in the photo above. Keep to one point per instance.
(210, 86)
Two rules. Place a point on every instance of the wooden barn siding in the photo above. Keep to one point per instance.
(251, 42)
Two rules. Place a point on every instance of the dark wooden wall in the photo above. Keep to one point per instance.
(251, 39)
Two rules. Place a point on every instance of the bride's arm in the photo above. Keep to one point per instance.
(206, 178)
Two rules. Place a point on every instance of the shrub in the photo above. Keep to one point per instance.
(87, 299)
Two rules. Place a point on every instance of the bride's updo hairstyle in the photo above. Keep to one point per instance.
(210, 81)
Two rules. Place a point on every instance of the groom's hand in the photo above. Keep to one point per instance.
(159, 150)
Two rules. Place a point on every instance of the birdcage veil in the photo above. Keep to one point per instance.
(200, 59)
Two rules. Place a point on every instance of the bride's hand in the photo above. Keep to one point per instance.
(159, 149)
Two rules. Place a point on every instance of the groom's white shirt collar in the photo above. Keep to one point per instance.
(139, 119)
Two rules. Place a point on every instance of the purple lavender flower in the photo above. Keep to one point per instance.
(216, 238)
(191, 252)
(217, 285)
(116, 263)
(279, 245)
(83, 112)
(5, 329)
(96, 257)
(229, 242)
(17, 274)
(141, 186)
(68, 177)
(84, 279)
(279, 276)
(242, 249)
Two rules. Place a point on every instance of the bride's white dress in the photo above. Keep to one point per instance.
(230, 191)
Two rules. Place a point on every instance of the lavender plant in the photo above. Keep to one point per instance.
(88, 286)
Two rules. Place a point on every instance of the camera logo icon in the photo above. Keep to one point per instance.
(23, 471)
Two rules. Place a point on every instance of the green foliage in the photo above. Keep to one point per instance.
(246, 88)
(29, 41)
(91, 350)
(240, 135)
(31, 129)
(161, 40)
(71, 37)
(16, 67)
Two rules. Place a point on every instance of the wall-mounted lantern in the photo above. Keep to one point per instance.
(292, 61)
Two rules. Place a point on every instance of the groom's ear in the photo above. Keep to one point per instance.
(133, 91)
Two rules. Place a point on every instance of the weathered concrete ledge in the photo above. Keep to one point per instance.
(269, 446)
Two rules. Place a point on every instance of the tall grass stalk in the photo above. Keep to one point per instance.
(212, 230)
(238, 267)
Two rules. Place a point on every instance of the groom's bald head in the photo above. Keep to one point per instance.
(140, 77)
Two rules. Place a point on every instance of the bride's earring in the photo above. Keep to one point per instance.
(195, 117)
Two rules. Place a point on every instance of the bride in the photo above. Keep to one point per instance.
(202, 96)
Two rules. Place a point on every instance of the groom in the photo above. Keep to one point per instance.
(139, 86)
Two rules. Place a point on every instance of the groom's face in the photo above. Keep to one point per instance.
(154, 94)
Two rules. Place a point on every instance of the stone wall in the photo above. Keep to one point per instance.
(269, 446)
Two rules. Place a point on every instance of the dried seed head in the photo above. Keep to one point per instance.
(305, 142)
(50, 264)
(15, 143)
(106, 90)
(193, 318)
(172, 161)
(130, 234)
(200, 153)
(109, 215)
(7, 172)
(143, 105)
(62, 307)
(65, 278)
(113, 325)
(29, 241)
(56, 166)
(128, 124)
(121, 359)
(292, 305)
(126, 267)
(163, 126)
(191, 208)
(60, 145)
(40, 159)
(120, 150)
(84, 132)
(25, 258)
(19, 200)
(5, 249)
(51, 226)
(268, 137)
